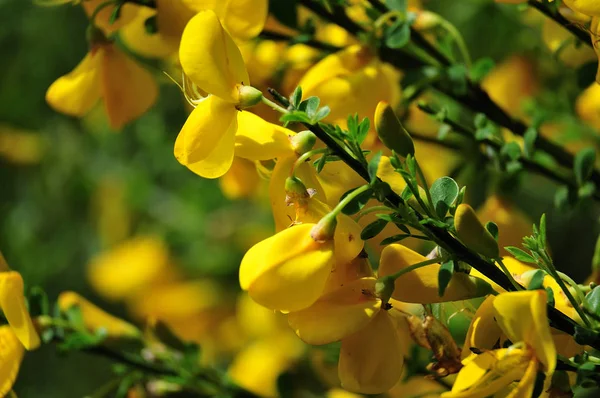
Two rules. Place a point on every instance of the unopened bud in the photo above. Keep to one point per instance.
(391, 132)
(325, 228)
(303, 142)
(426, 20)
(384, 288)
(295, 191)
(249, 96)
(473, 234)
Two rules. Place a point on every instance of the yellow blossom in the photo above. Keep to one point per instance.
(11, 355)
(587, 7)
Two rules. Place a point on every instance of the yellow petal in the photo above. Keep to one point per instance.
(287, 271)
(128, 89)
(12, 303)
(483, 332)
(474, 370)
(171, 18)
(283, 214)
(525, 387)
(337, 314)
(210, 58)
(257, 139)
(587, 7)
(207, 139)
(244, 19)
(127, 14)
(127, 268)
(95, 318)
(11, 355)
(522, 317)
(371, 359)
(149, 45)
(77, 92)
(421, 285)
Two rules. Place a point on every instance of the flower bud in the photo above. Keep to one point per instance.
(325, 228)
(295, 191)
(426, 20)
(249, 96)
(391, 132)
(473, 234)
(303, 142)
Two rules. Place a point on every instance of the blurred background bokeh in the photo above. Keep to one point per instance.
(71, 190)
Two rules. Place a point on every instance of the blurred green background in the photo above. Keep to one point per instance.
(48, 220)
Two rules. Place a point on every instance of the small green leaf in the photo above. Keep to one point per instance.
(481, 68)
(444, 192)
(394, 238)
(480, 120)
(321, 114)
(511, 150)
(397, 5)
(457, 74)
(373, 229)
(542, 231)
(357, 203)
(296, 97)
(312, 104)
(584, 164)
(529, 139)
(550, 294)
(374, 166)
(397, 35)
(537, 280)
(295, 117)
(443, 132)
(492, 228)
(520, 254)
(591, 303)
(445, 276)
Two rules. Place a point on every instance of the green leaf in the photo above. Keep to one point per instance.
(457, 74)
(492, 228)
(443, 132)
(481, 68)
(312, 104)
(520, 254)
(537, 280)
(529, 139)
(480, 120)
(397, 5)
(445, 276)
(397, 35)
(584, 164)
(394, 238)
(373, 229)
(295, 117)
(586, 190)
(363, 130)
(321, 114)
(591, 303)
(542, 231)
(550, 294)
(357, 203)
(374, 166)
(296, 97)
(444, 192)
(511, 150)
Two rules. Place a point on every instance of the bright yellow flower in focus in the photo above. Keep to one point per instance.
(522, 318)
(11, 355)
(94, 318)
(213, 63)
(12, 303)
(126, 89)
(421, 285)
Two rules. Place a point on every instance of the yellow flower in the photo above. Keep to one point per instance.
(587, 7)
(20, 146)
(94, 318)
(11, 355)
(571, 54)
(102, 20)
(106, 73)
(241, 181)
(522, 318)
(588, 105)
(149, 45)
(12, 303)
(421, 284)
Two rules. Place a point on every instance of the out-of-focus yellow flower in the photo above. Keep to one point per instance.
(513, 223)
(20, 146)
(588, 105)
(595, 32)
(110, 211)
(511, 82)
(351, 81)
(263, 58)
(522, 318)
(416, 386)
(150, 45)
(11, 355)
(127, 89)
(571, 54)
(241, 180)
(587, 7)
(12, 303)
(421, 285)
(243, 19)
(129, 267)
(287, 271)
(94, 318)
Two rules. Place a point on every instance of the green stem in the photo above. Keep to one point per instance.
(273, 105)
(417, 266)
(100, 7)
(370, 210)
(425, 185)
(338, 209)
(458, 39)
(573, 284)
(304, 157)
(509, 275)
(386, 17)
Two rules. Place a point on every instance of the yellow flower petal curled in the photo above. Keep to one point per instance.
(12, 303)
(128, 89)
(95, 318)
(337, 314)
(421, 284)
(77, 92)
(11, 355)
(287, 271)
(206, 141)
(522, 317)
(371, 359)
(257, 139)
(587, 7)
(472, 233)
(483, 332)
(211, 59)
